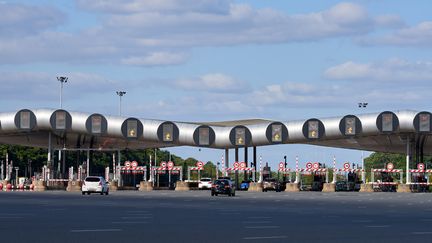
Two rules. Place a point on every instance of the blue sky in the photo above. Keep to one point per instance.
(204, 60)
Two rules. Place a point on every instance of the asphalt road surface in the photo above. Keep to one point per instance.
(195, 216)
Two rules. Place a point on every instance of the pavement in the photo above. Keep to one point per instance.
(195, 216)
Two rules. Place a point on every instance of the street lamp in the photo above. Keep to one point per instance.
(362, 105)
(62, 81)
(120, 94)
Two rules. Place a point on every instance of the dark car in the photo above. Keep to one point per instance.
(223, 186)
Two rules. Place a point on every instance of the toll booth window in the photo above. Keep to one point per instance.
(60, 120)
(96, 122)
(132, 126)
(424, 122)
(240, 136)
(387, 122)
(167, 131)
(313, 129)
(276, 133)
(204, 137)
(25, 120)
(350, 126)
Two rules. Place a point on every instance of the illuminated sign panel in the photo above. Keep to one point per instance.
(204, 136)
(313, 129)
(96, 124)
(60, 120)
(240, 136)
(424, 122)
(276, 133)
(387, 122)
(132, 126)
(350, 126)
(25, 120)
(167, 131)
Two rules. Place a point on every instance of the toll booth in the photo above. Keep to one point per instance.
(132, 176)
(285, 173)
(386, 180)
(347, 179)
(198, 168)
(420, 181)
(166, 175)
(312, 179)
(239, 166)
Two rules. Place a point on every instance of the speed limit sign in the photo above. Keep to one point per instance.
(346, 166)
(236, 164)
(199, 164)
(134, 164)
(421, 166)
(316, 165)
(390, 166)
(127, 163)
(243, 164)
(170, 165)
(163, 164)
(308, 165)
(281, 165)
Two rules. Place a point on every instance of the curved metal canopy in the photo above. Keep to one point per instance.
(386, 131)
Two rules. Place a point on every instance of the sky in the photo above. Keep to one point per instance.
(216, 60)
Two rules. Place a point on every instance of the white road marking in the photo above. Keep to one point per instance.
(95, 230)
(422, 233)
(265, 237)
(129, 222)
(262, 227)
(256, 222)
(377, 226)
(137, 217)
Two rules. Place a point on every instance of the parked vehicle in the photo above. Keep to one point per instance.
(205, 183)
(244, 186)
(95, 184)
(223, 186)
(272, 184)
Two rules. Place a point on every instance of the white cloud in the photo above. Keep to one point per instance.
(392, 70)
(140, 32)
(133, 6)
(18, 20)
(156, 59)
(416, 36)
(213, 82)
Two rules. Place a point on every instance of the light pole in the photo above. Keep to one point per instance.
(120, 94)
(363, 105)
(62, 81)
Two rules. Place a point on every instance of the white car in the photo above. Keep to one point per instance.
(95, 184)
(205, 183)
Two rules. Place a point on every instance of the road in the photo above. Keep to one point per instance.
(195, 216)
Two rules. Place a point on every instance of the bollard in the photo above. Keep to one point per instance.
(8, 186)
(31, 187)
(1, 186)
